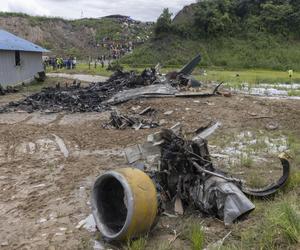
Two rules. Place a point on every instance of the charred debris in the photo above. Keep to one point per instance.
(75, 98)
(120, 87)
(143, 120)
(8, 90)
(185, 176)
(171, 175)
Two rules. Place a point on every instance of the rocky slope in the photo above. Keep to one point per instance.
(81, 38)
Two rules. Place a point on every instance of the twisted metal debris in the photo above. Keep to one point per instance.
(75, 98)
(8, 90)
(185, 175)
(122, 121)
(120, 87)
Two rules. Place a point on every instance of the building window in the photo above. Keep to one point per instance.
(17, 58)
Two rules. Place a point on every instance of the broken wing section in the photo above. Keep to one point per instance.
(189, 68)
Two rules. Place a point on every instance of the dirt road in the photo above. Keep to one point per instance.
(81, 77)
(48, 163)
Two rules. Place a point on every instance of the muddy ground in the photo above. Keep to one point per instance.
(48, 163)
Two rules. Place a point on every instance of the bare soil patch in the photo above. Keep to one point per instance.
(45, 191)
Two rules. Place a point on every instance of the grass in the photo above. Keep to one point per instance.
(164, 246)
(192, 232)
(251, 76)
(294, 181)
(246, 161)
(286, 220)
(197, 236)
(85, 244)
(278, 228)
(258, 51)
(139, 244)
(83, 68)
(255, 180)
(275, 222)
(37, 86)
(294, 148)
(259, 146)
(294, 92)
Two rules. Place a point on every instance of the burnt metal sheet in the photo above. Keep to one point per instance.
(222, 196)
(208, 131)
(157, 90)
(183, 171)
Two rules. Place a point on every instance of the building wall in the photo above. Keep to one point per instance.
(10, 74)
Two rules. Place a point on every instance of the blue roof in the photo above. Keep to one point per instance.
(9, 41)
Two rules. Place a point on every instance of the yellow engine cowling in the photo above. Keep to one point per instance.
(124, 204)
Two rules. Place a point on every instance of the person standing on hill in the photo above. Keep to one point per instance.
(74, 62)
(291, 72)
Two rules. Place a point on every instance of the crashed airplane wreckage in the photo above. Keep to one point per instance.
(119, 88)
(168, 175)
(120, 121)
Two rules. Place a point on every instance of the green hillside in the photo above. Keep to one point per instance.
(229, 34)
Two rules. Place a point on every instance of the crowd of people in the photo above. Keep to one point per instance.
(60, 62)
(106, 49)
(115, 49)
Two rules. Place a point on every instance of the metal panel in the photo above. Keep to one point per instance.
(10, 74)
(9, 41)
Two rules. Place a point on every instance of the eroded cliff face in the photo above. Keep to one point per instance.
(57, 35)
(65, 37)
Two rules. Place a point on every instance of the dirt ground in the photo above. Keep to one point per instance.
(48, 163)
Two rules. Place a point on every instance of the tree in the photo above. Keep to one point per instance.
(164, 23)
(275, 16)
(214, 17)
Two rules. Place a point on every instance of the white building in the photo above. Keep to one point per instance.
(20, 60)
